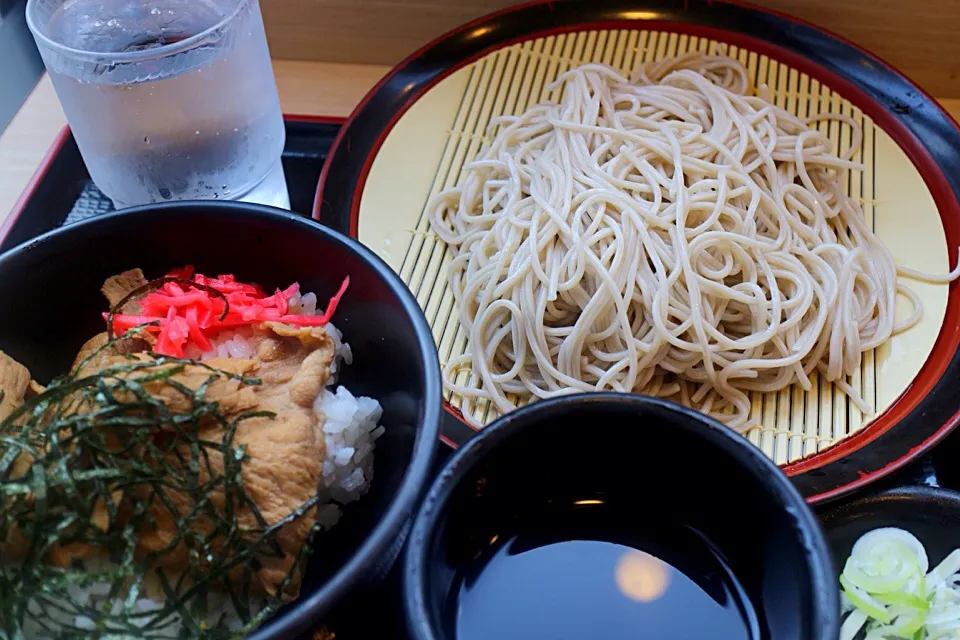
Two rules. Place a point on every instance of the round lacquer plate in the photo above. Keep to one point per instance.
(414, 133)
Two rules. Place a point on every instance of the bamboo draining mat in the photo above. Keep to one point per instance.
(427, 149)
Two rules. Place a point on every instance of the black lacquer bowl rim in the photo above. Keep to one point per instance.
(784, 496)
(922, 499)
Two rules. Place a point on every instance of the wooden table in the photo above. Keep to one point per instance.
(314, 88)
(306, 88)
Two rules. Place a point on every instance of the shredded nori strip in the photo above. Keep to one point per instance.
(99, 438)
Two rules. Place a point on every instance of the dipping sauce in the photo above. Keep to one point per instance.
(575, 574)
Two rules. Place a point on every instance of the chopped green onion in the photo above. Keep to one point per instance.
(888, 594)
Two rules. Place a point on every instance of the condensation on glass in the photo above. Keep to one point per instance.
(167, 99)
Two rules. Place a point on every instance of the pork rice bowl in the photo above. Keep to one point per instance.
(171, 483)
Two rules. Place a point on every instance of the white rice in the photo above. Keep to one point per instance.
(350, 430)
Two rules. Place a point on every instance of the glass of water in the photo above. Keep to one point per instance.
(167, 99)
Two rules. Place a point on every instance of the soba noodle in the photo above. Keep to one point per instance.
(669, 234)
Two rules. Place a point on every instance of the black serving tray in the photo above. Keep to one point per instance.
(61, 192)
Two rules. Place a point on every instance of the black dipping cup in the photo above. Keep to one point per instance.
(660, 462)
(51, 304)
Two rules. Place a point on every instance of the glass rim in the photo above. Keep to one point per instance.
(120, 57)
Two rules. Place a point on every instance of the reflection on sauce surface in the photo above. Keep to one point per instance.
(569, 576)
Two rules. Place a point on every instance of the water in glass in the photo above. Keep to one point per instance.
(169, 99)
